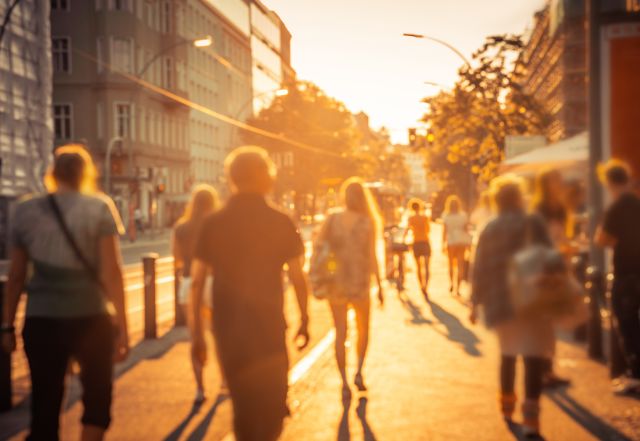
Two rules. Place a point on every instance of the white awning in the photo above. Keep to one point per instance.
(572, 150)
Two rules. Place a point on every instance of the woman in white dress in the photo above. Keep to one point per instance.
(455, 240)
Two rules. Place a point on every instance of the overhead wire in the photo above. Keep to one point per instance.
(203, 109)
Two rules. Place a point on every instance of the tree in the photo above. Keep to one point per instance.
(308, 116)
(469, 123)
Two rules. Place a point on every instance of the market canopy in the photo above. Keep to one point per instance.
(570, 155)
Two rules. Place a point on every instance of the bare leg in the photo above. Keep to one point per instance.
(339, 312)
(92, 433)
(426, 272)
(362, 309)
(459, 262)
(196, 366)
(451, 256)
(419, 271)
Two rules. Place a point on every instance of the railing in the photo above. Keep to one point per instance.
(152, 309)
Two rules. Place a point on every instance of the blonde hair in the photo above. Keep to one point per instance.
(452, 205)
(204, 199)
(72, 166)
(358, 198)
(250, 169)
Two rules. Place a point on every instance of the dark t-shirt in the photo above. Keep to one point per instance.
(247, 243)
(622, 221)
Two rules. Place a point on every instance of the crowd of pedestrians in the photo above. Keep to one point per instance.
(229, 260)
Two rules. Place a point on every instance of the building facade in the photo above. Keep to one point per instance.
(415, 163)
(218, 78)
(107, 56)
(270, 49)
(555, 66)
(26, 130)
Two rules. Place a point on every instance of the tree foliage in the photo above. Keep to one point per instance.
(469, 123)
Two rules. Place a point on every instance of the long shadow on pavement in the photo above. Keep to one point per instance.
(457, 332)
(417, 318)
(361, 411)
(581, 415)
(344, 433)
(175, 435)
(200, 432)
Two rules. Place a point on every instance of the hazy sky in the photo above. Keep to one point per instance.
(355, 51)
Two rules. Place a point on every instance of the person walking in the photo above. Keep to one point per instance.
(420, 225)
(620, 232)
(455, 241)
(530, 337)
(204, 200)
(549, 203)
(75, 295)
(246, 245)
(353, 232)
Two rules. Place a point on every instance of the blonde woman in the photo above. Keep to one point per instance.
(455, 240)
(75, 294)
(204, 201)
(353, 232)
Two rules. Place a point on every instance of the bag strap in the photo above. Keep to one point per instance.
(89, 268)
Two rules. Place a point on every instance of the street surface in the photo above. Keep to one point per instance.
(431, 376)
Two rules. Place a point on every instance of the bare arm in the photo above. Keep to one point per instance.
(15, 285)
(178, 255)
(604, 239)
(113, 283)
(198, 277)
(300, 286)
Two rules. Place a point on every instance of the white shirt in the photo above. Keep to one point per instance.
(456, 224)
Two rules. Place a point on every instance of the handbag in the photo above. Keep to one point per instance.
(323, 267)
(541, 285)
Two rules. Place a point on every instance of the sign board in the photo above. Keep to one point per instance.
(517, 145)
(620, 92)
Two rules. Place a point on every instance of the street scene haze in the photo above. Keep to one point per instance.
(296, 220)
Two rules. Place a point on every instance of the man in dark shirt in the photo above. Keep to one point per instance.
(621, 231)
(246, 245)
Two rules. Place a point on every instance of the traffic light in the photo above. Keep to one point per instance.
(413, 137)
(160, 188)
(430, 139)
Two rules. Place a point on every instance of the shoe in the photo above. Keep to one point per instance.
(359, 383)
(626, 386)
(552, 381)
(200, 397)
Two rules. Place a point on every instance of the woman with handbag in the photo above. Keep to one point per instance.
(530, 337)
(352, 234)
(75, 296)
(455, 241)
(204, 201)
(550, 205)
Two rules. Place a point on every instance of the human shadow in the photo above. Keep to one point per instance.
(179, 430)
(581, 415)
(361, 411)
(200, 432)
(456, 331)
(517, 432)
(343, 427)
(417, 318)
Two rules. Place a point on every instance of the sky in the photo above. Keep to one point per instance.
(355, 51)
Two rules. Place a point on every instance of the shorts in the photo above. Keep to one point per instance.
(421, 249)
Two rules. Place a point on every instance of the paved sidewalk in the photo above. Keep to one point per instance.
(431, 376)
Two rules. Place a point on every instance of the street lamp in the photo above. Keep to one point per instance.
(441, 42)
(202, 42)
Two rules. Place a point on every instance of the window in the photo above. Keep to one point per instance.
(123, 120)
(121, 5)
(61, 54)
(100, 120)
(167, 74)
(62, 117)
(166, 17)
(122, 56)
(61, 5)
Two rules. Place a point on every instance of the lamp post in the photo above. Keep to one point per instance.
(107, 163)
(440, 42)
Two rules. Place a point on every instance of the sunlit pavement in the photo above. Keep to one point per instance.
(431, 376)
